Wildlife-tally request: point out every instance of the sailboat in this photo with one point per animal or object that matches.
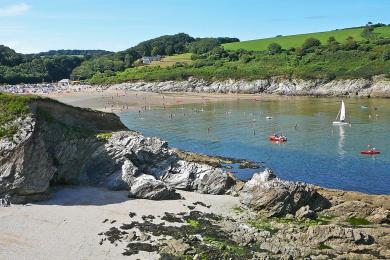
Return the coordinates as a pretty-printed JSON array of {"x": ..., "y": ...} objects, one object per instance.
[{"x": 341, "y": 116}]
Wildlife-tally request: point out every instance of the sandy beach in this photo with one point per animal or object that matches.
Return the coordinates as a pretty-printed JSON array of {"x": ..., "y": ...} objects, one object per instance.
[
  {"x": 67, "y": 225},
  {"x": 112, "y": 100}
]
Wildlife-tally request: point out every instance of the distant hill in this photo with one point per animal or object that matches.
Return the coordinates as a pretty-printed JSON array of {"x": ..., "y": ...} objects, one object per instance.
[
  {"x": 293, "y": 41},
  {"x": 74, "y": 52}
]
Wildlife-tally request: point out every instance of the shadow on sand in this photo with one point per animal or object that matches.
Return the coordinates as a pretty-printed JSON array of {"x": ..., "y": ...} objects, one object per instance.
[{"x": 84, "y": 196}]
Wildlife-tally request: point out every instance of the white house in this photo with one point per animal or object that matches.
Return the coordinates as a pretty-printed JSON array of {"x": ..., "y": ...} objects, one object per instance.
[
  {"x": 149, "y": 59},
  {"x": 64, "y": 82}
]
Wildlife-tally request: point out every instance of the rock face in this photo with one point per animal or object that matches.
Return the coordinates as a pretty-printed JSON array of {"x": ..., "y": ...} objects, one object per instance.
[
  {"x": 59, "y": 144},
  {"x": 377, "y": 86},
  {"x": 265, "y": 192}
]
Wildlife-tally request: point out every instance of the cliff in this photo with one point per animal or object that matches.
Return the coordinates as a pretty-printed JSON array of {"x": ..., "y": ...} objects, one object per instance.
[{"x": 378, "y": 86}]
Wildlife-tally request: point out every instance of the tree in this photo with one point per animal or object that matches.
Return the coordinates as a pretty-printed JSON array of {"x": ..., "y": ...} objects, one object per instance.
[
  {"x": 203, "y": 45},
  {"x": 274, "y": 48},
  {"x": 368, "y": 31},
  {"x": 350, "y": 44},
  {"x": 333, "y": 44},
  {"x": 310, "y": 43},
  {"x": 169, "y": 50}
]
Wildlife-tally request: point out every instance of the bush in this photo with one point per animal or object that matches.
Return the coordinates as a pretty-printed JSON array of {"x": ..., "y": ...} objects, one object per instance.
[
  {"x": 350, "y": 44},
  {"x": 310, "y": 43},
  {"x": 274, "y": 48},
  {"x": 386, "y": 55}
]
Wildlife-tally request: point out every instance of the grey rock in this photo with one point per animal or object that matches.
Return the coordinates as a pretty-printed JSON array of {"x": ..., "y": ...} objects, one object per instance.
[
  {"x": 266, "y": 192},
  {"x": 174, "y": 247},
  {"x": 5, "y": 201},
  {"x": 147, "y": 187},
  {"x": 305, "y": 213},
  {"x": 379, "y": 216},
  {"x": 351, "y": 208},
  {"x": 123, "y": 178},
  {"x": 325, "y": 233},
  {"x": 377, "y": 86}
]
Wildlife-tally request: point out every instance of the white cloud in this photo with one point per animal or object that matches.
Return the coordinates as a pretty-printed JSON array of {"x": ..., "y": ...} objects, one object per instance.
[{"x": 14, "y": 10}]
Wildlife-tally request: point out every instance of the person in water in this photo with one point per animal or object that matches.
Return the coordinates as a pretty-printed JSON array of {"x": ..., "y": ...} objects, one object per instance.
[{"x": 371, "y": 148}]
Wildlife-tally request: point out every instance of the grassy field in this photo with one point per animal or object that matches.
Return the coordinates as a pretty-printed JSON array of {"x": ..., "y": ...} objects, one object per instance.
[
  {"x": 172, "y": 60},
  {"x": 296, "y": 40}
]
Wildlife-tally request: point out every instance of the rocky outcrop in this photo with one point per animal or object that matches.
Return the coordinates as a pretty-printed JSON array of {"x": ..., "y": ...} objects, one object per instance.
[
  {"x": 360, "y": 209},
  {"x": 377, "y": 86},
  {"x": 265, "y": 192},
  {"x": 59, "y": 144}
]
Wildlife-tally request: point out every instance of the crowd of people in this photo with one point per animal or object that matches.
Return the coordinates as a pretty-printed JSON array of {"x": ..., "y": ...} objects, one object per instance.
[{"x": 46, "y": 88}]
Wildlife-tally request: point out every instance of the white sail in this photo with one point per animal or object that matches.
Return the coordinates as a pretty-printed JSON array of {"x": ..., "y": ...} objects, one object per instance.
[
  {"x": 340, "y": 118},
  {"x": 342, "y": 111}
]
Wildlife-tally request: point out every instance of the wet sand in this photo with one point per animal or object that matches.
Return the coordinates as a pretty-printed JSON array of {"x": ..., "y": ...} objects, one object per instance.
[{"x": 67, "y": 225}]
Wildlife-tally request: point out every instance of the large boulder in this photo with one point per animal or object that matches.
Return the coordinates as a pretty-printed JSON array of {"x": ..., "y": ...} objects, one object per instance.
[
  {"x": 276, "y": 197},
  {"x": 200, "y": 177},
  {"x": 147, "y": 187}
]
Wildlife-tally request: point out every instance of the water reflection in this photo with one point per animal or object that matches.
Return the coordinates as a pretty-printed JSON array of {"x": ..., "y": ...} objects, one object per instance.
[{"x": 340, "y": 146}]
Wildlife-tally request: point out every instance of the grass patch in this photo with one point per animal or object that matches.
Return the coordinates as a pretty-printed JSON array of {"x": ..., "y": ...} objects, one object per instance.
[
  {"x": 323, "y": 246},
  {"x": 293, "y": 41},
  {"x": 193, "y": 223},
  {"x": 12, "y": 107},
  {"x": 262, "y": 224},
  {"x": 168, "y": 61},
  {"x": 225, "y": 245},
  {"x": 104, "y": 136},
  {"x": 238, "y": 210},
  {"x": 357, "y": 221}
]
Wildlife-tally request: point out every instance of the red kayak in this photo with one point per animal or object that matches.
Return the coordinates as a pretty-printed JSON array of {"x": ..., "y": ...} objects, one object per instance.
[
  {"x": 277, "y": 138},
  {"x": 370, "y": 152}
]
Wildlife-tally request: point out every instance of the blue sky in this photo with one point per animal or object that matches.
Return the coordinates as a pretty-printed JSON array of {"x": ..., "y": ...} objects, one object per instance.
[{"x": 39, "y": 25}]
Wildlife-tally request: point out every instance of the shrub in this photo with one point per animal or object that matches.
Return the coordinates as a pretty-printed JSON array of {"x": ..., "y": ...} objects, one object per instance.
[
  {"x": 274, "y": 48},
  {"x": 386, "y": 55},
  {"x": 310, "y": 43}
]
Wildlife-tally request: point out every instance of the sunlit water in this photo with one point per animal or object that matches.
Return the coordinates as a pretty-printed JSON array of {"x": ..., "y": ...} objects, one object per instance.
[{"x": 316, "y": 152}]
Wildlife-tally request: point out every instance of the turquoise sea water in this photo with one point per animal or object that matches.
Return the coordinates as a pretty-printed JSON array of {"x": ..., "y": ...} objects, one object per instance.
[{"x": 316, "y": 152}]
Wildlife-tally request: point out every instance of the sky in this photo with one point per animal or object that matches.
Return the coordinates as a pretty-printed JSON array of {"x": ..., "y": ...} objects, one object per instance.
[{"x": 30, "y": 26}]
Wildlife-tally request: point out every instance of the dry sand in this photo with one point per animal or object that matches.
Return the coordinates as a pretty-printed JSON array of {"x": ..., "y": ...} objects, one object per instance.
[
  {"x": 67, "y": 226},
  {"x": 112, "y": 100}
]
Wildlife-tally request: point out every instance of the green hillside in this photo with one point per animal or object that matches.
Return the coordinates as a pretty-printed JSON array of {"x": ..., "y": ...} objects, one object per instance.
[{"x": 297, "y": 40}]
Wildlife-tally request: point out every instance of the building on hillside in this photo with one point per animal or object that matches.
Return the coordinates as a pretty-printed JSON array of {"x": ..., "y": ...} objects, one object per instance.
[{"x": 149, "y": 59}]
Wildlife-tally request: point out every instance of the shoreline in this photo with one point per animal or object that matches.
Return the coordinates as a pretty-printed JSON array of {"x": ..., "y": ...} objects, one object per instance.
[{"x": 117, "y": 101}]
